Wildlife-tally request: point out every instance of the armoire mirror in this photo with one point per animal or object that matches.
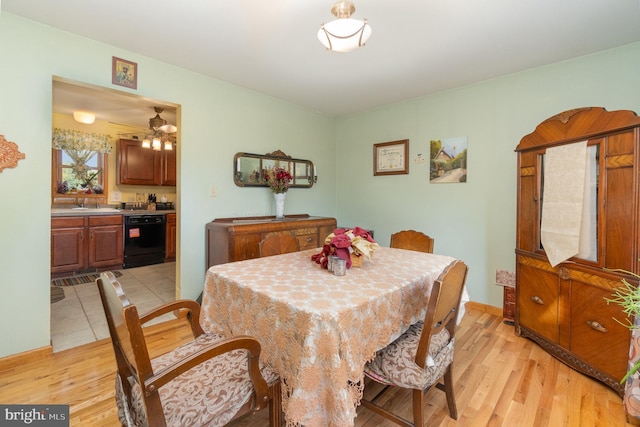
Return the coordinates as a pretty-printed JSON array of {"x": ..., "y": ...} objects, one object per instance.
[{"x": 248, "y": 169}]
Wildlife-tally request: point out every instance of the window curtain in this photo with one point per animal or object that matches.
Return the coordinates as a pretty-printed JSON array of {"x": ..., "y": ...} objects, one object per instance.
[
  {"x": 81, "y": 147},
  {"x": 564, "y": 209}
]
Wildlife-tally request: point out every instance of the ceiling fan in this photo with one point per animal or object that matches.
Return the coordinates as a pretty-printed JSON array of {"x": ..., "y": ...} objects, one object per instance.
[{"x": 161, "y": 132}]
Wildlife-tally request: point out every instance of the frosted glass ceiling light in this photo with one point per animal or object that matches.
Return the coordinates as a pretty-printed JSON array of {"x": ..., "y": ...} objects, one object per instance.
[
  {"x": 344, "y": 34},
  {"x": 156, "y": 144},
  {"x": 168, "y": 145},
  {"x": 146, "y": 143},
  {"x": 84, "y": 117}
]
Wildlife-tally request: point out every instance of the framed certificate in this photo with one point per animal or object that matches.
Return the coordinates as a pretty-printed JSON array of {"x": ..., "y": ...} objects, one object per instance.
[{"x": 391, "y": 158}]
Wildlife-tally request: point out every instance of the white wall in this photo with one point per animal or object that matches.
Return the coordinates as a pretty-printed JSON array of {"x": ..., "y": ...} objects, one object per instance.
[
  {"x": 218, "y": 120},
  {"x": 474, "y": 221}
]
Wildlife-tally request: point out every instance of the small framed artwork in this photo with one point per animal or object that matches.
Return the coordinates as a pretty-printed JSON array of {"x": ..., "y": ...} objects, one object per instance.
[
  {"x": 448, "y": 160},
  {"x": 391, "y": 158},
  {"x": 124, "y": 73}
]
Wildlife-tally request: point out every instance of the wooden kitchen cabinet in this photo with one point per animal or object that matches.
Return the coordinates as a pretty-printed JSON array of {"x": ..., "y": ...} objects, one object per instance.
[
  {"x": 68, "y": 247},
  {"x": 237, "y": 239},
  {"x": 144, "y": 166},
  {"x": 83, "y": 242},
  {"x": 170, "y": 237},
  {"x": 563, "y": 307}
]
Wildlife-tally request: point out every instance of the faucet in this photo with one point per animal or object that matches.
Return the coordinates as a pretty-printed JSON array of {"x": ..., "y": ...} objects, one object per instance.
[
  {"x": 97, "y": 205},
  {"x": 81, "y": 202}
]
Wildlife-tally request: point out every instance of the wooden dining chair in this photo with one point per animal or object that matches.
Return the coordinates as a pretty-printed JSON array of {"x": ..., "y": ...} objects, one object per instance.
[
  {"x": 423, "y": 355},
  {"x": 412, "y": 240},
  {"x": 208, "y": 381},
  {"x": 278, "y": 243}
]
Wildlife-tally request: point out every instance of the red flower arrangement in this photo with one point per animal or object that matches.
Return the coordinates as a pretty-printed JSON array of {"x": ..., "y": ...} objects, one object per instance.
[
  {"x": 348, "y": 244},
  {"x": 278, "y": 179}
]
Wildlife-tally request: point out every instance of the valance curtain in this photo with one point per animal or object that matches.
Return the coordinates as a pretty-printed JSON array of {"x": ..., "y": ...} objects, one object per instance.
[{"x": 73, "y": 140}]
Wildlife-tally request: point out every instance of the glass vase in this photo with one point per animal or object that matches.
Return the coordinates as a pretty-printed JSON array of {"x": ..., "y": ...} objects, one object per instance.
[{"x": 279, "y": 197}]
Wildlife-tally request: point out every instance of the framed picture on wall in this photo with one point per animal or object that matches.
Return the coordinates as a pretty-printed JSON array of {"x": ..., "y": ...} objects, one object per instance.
[
  {"x": 124, "y": 73},
  {"x": 448, "y": 160},
  {"x": 391, "y": 158}
]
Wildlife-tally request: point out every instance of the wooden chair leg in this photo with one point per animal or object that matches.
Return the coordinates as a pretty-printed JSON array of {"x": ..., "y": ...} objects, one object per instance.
[
  {"x": 275, "y": 406},
  {"x": 418, "y": 413},
  {"x": 448, "y": 389}
]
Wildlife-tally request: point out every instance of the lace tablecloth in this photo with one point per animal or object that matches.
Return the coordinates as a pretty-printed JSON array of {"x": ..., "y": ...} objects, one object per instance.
[{"x": 318, "y": 330}]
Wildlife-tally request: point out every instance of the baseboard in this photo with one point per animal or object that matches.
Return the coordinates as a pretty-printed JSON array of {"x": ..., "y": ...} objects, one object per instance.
[
  {"x": 485, "y": 308},
  {"x": 20, "y": 359}
]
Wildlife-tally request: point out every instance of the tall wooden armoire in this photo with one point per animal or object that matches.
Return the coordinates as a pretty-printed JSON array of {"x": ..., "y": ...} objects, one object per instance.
[{"x": 563, "y": 308}]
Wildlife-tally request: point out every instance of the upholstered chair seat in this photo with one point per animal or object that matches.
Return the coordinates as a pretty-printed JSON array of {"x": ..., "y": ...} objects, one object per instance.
[{"x": 395, "y": 364}]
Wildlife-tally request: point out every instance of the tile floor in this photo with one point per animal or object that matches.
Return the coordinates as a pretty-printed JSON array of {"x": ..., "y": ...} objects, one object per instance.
[{"x": 79, "y": 318}]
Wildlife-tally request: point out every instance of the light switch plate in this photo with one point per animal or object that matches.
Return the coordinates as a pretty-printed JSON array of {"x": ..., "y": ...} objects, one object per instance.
[{"x": 213, "y": 191}]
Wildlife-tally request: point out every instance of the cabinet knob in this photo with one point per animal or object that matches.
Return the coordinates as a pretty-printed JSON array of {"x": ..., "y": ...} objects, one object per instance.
[
  {"x": 309, "y": 239},
  {"x": 537, "y": 300},
  {"x": 597, "y": 326}
]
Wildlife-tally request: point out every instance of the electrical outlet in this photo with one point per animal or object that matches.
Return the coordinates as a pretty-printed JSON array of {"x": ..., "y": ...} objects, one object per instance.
[
  {"x": 213, "y": 191},
  {"x": 116, "y": 196}
]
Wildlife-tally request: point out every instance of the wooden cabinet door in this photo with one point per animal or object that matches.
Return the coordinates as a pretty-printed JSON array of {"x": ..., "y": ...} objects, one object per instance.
[
  {"x": 137, "y": 165},
  {"x": 596, "y": 337},
  {"x": 68, "y": 249},
  {"x": 170, "y": 238},
  {"x": 169, "y": 168},
  {"x": 538, "y": 299},
  {"x": 105, "y": 246}
]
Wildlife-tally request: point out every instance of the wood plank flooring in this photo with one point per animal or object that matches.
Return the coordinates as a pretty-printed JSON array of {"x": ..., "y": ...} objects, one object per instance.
[{"x": 500, "y": 380}]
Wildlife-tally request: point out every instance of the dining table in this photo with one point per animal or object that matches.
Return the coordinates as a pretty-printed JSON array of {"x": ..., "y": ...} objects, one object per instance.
[{"x": 317, "y": 330}]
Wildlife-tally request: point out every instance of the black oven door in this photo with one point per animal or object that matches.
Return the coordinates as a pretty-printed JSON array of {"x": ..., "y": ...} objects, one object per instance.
[{"x": 144, "y": 239}]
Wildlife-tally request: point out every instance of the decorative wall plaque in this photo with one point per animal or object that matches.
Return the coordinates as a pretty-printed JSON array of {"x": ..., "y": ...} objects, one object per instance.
[{"x": 9, "y": 154}]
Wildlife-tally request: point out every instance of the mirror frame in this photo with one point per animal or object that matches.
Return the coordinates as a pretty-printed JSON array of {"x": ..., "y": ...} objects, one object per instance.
[{"x": 303, "y": 176}]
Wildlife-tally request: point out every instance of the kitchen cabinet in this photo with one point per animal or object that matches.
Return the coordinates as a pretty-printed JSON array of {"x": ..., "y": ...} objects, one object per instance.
[
  {"x": 144, "y": 166},
  {"x": 563, "y": 307},
  {"x": 237, "y": 239},
  {"x": 83, "y": 242},
  {"x": 170, "y": 236}
]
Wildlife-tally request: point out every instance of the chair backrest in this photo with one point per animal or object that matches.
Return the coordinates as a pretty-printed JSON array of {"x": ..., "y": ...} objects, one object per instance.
[
  {"x": 278, "y": 243},
  {"x": 412, "y": 240},
  {"x": 129, "y": 346},
  {"x": 443, "y": 307}
]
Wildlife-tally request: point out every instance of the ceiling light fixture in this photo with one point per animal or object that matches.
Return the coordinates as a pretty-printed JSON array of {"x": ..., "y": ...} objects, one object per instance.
[
  {"x": 84, "y": 117},
  {"x": 344, "y": 34},
  {"x": 161, "y": 133}
]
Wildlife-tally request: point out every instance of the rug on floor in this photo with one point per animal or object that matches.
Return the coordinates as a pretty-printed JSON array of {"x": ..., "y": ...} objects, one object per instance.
[
  {"x": 57, "y": 294},
  {"x": 79, "y": 280}
]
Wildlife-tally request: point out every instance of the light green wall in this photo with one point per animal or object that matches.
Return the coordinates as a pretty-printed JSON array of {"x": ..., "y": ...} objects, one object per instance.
[
  {"x": 474, "y": 221},
  {"x": 217, "y": 120}
]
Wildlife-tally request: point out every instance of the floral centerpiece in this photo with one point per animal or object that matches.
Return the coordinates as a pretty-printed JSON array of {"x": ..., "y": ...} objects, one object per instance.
[
  {"x": 352, "y": 245},
  {"x": 278, "y": 179}
]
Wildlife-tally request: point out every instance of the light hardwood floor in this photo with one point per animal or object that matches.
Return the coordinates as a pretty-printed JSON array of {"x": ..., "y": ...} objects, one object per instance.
[{"x": 500, "y": 380}]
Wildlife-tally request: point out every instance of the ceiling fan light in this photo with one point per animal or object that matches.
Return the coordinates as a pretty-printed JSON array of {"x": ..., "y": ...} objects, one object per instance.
[
  {"x": 156, "y": 144},
  {"x": 168, "y": 128},
  {"x": 168, "y": 146},
  {"x": 146, "y": 143},
  {"x": 84, "y": 117}
]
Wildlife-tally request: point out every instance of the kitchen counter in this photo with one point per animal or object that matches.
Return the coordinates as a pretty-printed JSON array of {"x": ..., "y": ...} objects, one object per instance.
[{"x": 105, "y": 211}]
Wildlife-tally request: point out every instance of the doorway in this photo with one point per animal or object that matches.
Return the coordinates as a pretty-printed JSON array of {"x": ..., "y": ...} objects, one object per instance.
[{"x": 120, "y": 115}]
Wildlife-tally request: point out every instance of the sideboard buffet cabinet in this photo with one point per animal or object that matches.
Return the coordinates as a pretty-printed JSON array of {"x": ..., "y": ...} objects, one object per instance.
[
  {"x": 237, "y": 239},
  {"x": 563, "y": 308}
]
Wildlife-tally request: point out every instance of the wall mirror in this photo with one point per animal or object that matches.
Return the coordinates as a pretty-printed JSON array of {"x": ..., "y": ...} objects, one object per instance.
[{"x": 248, "y": 169}]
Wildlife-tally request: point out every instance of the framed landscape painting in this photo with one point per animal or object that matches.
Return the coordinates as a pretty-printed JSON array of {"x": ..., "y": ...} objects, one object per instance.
[{"x": 448, "y": 160}]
